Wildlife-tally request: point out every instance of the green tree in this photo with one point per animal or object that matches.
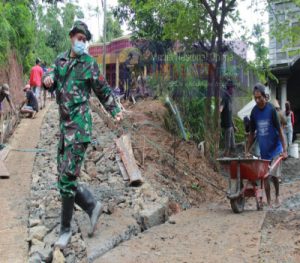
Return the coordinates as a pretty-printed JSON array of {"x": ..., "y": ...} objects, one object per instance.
[
  {"x": 53, "y": 25},
  {"x": 284, "y": 23},
  {"x": 17, "y": 34},
  {"x": 284, "y": 26},
  {"x": 146, "y": 20},
  {"x": 113, "y": 29},
  {"x": 261, "y": 62},
  {"x": 198, "y": 23}
]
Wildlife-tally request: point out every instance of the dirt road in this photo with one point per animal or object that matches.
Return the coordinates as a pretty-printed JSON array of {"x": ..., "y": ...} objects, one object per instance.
[
  {"x": 209, "y": 233},
  {"x": 215, "y": 234},
  {"x": 14, "y": 191}
]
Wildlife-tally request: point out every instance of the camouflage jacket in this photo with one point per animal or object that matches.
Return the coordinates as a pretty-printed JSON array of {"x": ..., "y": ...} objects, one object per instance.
[{"x": 74, "y": 78}]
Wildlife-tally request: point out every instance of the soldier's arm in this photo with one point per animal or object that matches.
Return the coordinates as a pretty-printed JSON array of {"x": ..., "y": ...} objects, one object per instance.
[{"x": 104, "y": 92}]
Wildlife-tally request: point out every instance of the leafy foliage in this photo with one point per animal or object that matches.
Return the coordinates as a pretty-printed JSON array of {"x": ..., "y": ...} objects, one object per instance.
[
  {"x": 240, "y": 133},
  {"x": 113, "y": 28},
  {"x": 188, "y": 92},
  {"x": 35, "y": 30},
  {"x": 53, "y": 27},
  {"x": 143, "y": 18},
  {"x": 18, "y": 33},
  {"x": 194, "y": 23},
  {"x": 261, "y": 62},
  {"x": 285, "y": 26}
]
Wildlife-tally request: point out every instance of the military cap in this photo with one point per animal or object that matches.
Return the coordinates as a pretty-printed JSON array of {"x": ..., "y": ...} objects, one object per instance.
[{"x": 80, "y": 27}]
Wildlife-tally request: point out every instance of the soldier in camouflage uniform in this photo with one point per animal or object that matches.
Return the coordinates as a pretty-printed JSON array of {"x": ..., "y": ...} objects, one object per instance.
[{"x": 73, "y": 76}]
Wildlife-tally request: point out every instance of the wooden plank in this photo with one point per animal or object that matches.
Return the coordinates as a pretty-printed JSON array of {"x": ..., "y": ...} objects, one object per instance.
[
  {"x": 4, "y": 174},
  {"x": 104, "y": 115},
  {"x": 122, "y": 169},
  {"x": 126, "y": 153},
  {"x": 4, "y": 153}
]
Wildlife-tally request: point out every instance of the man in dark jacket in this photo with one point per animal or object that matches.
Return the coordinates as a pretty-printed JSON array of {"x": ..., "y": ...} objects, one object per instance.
[{"x": 226, "y": 119}]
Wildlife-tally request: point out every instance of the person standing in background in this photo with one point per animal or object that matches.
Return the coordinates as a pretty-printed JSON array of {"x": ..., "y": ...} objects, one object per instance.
[
  {"x": 35, "y": 81},
  {"x": 141, "y": 85},
  {"x": 281, "y": 115},
  {"x": 226, "y": 119},
  {"x": 290, "y": 121}
]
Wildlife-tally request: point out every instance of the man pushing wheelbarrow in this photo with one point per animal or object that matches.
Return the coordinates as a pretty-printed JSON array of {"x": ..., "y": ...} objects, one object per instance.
[
  {"x": 265, "y": 126},
  {"x": 249, "y": 177}
]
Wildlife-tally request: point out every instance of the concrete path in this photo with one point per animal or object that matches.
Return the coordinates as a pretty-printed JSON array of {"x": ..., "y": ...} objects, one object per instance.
[
  {"x": 195, "y": 235},
  {"x": 215, "y": 234},
  {"x": 14, "y": 192}
]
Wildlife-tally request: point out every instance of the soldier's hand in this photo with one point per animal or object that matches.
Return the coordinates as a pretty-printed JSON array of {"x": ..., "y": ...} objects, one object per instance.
[
  {"x": 48, "y": 81},
  {"x": 119, "y": 117}
]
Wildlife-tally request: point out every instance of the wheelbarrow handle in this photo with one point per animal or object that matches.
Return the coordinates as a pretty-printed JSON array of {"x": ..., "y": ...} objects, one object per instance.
[{"x": 275, "y": 164}]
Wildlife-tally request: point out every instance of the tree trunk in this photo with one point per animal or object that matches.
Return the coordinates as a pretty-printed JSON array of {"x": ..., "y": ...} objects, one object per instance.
[
  {"x": 209, "y": 113},
  {"x": 216, "y": 117},
  {"x": 212, "y": 113}
]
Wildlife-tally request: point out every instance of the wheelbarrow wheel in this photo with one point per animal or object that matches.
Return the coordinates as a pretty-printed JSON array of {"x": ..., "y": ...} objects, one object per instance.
[{"x": 238, "y": 204}]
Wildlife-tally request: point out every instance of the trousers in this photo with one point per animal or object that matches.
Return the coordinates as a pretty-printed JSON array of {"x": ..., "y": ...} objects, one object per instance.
[{"x": 69, "y": 162}]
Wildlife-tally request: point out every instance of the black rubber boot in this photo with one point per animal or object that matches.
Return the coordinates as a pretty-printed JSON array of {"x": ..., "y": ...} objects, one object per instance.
[
  {"x": 65, "y": 235},
  {"x": 87, "y": 202}
]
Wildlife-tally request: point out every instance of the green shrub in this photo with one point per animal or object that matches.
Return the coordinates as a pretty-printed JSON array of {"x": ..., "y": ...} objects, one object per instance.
[
  {"x": 17, "y": 31},
  {"x": 240, "y": 133},
  {"x": 188, "y": 95}
]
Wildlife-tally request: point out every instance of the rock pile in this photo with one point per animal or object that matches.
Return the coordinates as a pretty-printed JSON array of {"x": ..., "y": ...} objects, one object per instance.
[
  {"x": 44, "y": 205},
  {"x": 140, "y": 206}
]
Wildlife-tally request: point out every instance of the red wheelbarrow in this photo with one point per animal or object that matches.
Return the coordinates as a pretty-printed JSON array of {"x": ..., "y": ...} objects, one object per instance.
[{"x": 249, "y": 175}]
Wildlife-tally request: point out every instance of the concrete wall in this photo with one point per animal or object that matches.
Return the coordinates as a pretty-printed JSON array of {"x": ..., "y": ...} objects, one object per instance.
[{"x": 285, "y": 11}]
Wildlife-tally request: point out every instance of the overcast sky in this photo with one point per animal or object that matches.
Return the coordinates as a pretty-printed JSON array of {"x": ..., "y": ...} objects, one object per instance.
[
  {"x": 249, "y": 14},
  {"x": 92, "y": 19}
]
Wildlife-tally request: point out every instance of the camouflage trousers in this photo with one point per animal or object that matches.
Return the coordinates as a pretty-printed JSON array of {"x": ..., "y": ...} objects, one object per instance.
[{"x": 69, "y": 162}]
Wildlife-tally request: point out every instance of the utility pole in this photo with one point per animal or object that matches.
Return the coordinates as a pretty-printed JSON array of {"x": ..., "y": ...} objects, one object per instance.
[
  {"x": 104, "y": 39},
  {"x": 98, "y": 18}
]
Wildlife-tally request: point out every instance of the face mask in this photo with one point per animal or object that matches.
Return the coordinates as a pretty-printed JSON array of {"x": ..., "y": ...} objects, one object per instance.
[{"x": 79, "y": 47}]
